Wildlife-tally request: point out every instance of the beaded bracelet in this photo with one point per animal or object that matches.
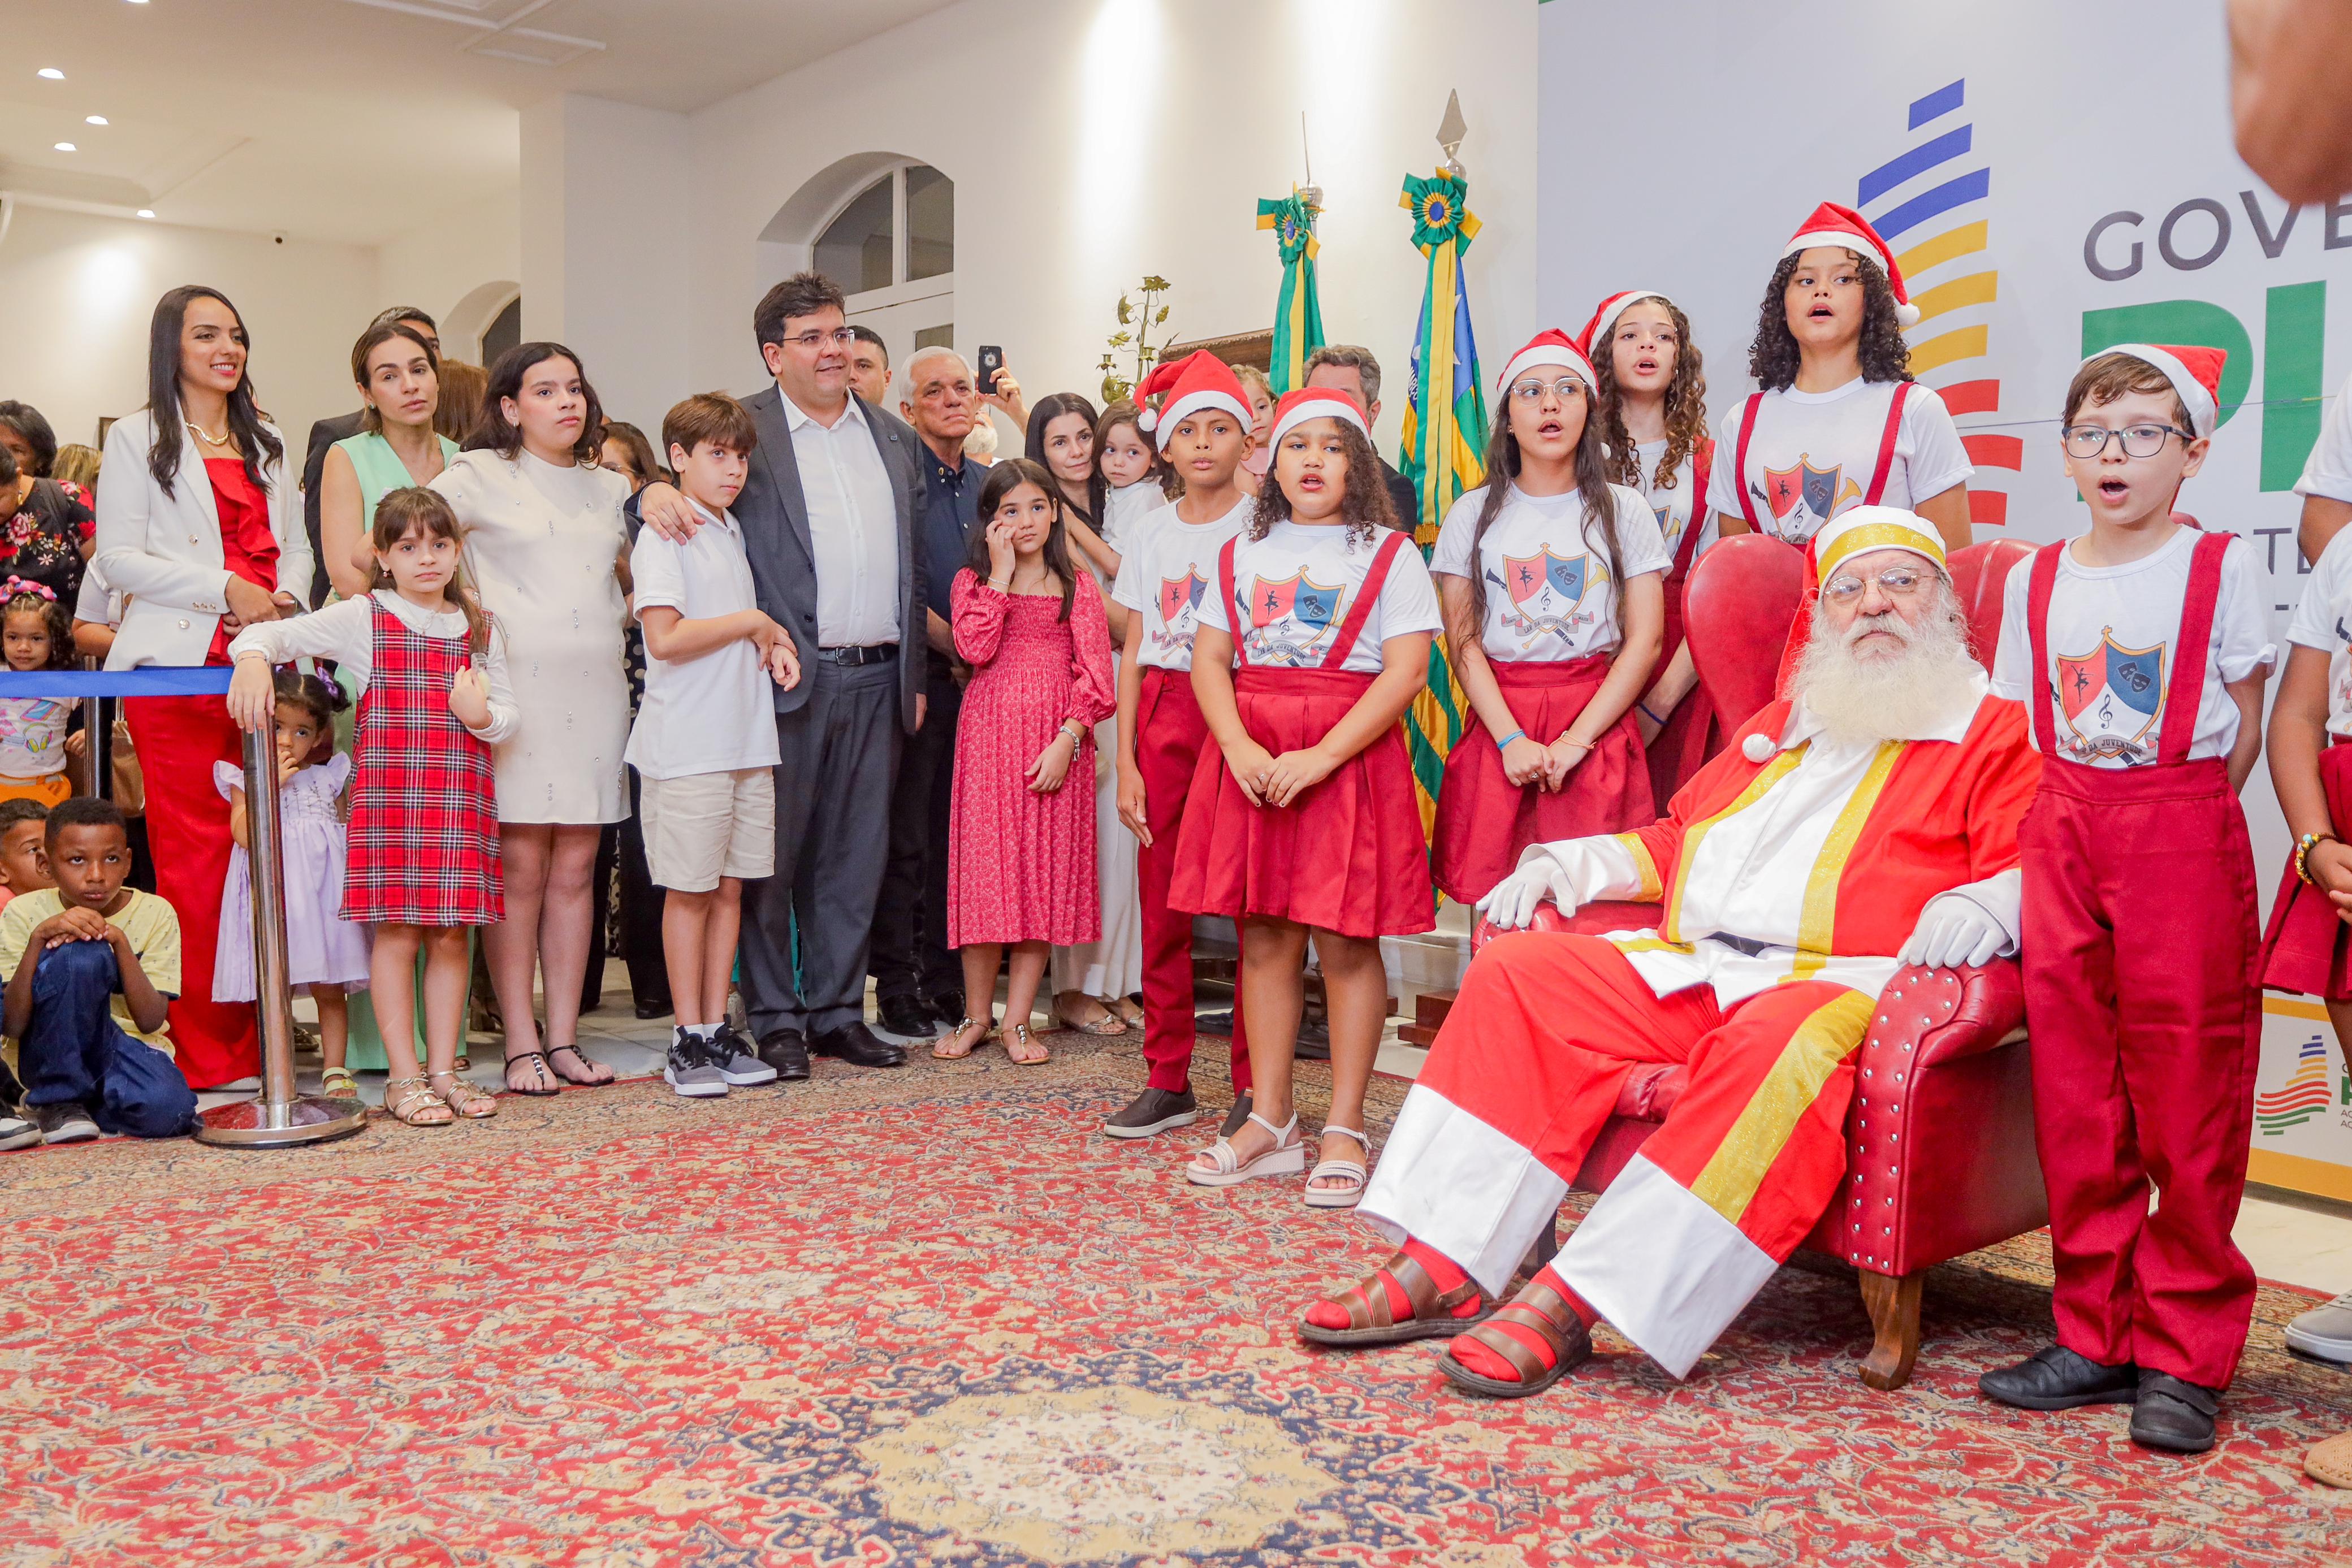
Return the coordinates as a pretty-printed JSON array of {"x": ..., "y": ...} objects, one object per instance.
[{"x": 2304, "y": 846}]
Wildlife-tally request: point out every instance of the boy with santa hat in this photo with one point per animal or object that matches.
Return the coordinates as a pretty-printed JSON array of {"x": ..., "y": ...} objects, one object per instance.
[{"x": 2139, "y": 650}]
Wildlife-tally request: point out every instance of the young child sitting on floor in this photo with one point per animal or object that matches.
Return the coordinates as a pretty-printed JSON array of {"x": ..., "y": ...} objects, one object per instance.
[
  {"x": 92, "y": 964},
  {"x": 23, "y": 822}
]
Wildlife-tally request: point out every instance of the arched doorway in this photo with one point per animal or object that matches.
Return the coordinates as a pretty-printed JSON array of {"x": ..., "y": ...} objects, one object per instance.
[
  {"x": 486, "y": 321},
  {"x": 882, "y": 226}
]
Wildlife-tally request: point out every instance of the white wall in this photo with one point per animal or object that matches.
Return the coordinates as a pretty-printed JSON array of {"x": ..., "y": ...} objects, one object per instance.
[
  {"x": 1125, "y": 136},
  {"x": 76, "y": 293},
  {"x": 467, "y": 247}
]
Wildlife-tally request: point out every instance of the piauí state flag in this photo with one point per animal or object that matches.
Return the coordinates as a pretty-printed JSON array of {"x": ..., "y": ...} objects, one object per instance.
[
  {"x": 1297, "y": 313},
  {"x": 1444, "y": 441}
]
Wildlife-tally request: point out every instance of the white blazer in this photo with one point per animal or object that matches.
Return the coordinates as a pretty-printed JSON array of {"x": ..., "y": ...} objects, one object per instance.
[{"x": 162, "y": 553}]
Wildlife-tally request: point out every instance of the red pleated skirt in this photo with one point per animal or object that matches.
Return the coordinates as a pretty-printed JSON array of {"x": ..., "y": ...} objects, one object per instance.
[
  {"x": 1346, "y": 856},
  {"x": 2307, "y": 948},
  {"x": 1484, "y": 820}
]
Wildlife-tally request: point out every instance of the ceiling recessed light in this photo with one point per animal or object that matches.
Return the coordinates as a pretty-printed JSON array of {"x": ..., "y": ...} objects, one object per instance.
[
  {"x": 51, "y": 73},
  {"x": 145, "y": 212},
  {"x": 94, "y": 120},
  {"x": 65, "y": 146}
]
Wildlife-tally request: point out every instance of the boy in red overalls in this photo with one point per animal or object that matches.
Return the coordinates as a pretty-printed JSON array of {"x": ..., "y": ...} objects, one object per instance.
[{"x": 2139, "y": 651}]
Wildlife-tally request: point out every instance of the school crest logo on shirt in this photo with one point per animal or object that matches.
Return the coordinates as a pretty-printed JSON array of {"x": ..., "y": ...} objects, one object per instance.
[
  {"x": 1289, "y": 617},
  {"x": 1801, "y": 498},
  {"x": 2111, "y": 696},
  {"x": 1548, "y": 594},
  {"x": 1180, "y": 596},
  {"x": 1532, "y": 577}
]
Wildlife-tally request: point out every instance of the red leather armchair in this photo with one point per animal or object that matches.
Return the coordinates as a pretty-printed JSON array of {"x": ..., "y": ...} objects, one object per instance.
[{"x": 1941, "y": 1127}]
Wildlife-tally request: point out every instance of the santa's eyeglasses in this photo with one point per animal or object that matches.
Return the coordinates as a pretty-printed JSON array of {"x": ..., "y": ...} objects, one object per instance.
[
  {"x": 2088, "y": 441},
  {"x": 1895, "y": 582}
]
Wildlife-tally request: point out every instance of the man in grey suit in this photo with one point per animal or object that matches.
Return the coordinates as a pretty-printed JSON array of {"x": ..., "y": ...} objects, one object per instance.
[{"x": 828, "y": 519}]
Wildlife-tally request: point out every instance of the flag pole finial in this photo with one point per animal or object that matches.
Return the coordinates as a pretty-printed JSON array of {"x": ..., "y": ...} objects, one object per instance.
[{"x": 1451, "y": 131}]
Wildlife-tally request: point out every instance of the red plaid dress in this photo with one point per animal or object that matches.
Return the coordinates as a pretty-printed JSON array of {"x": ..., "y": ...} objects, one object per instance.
[{"x": 424, "y": 820}]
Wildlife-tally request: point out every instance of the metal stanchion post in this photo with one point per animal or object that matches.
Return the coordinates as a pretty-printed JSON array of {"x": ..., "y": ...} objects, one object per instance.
[{"x": 279, "y": 1117}]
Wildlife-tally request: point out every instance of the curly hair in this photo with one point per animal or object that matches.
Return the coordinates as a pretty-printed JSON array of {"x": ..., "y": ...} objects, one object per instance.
[
  {"x": 1363, "y": 500},
  {"x": 1685, "y": 409},
  {"x": 1773, "y": 358},
  {"x": 1593, "y": 460},
  {"x": 32, "y": 598}
]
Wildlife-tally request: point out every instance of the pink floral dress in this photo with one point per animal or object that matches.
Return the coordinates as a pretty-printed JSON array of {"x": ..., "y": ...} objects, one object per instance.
[{"x": 1021, "y": 865}]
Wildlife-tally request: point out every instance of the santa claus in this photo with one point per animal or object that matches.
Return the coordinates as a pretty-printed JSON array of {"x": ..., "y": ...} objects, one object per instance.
[{"x": 1865, "y": 821}]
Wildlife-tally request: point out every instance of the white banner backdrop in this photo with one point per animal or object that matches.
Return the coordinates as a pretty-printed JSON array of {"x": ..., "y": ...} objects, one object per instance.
[{"x": 2052, "y": 179}]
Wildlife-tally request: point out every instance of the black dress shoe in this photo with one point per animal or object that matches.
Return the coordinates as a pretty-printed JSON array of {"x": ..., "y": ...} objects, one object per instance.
[
  {"x": 855, "y": 1044},
  {"x": 948, "y": 1007},
  {"x": 2060, "y": 1379},
  {"x": 906, "y": 1016},
  {"x": 2174, "y": 1415},
  {"x": 654, "y": 1007},
  {"x": 786, "y": 1050},
  {"x": 1154, "y": 1111},
  {"x": 1238, "y": 1117}
]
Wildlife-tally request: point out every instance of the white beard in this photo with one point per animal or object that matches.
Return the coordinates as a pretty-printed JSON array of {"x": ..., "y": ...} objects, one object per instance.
[{"x": 1929, "y": 685}]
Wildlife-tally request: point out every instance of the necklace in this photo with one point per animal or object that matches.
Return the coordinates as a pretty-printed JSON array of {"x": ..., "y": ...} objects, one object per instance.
[{"x": 206, "y": 436}]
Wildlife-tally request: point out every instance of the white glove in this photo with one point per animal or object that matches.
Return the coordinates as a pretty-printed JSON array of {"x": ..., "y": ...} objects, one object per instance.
[
  {"x": 1955, "y": 932},
  {"x": 1511, "y": 905}
]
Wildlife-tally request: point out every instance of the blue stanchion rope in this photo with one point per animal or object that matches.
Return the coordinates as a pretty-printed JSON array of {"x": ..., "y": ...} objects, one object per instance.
[{"x": 145, "y": 681}]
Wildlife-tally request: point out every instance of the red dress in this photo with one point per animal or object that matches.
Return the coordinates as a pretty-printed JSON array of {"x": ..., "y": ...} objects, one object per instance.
[
  {"x": 1021, "y": 865},
  {"x": 423, "y": 846}
]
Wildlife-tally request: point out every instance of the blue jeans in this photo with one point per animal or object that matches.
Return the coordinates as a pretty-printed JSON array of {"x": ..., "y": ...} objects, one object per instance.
[{"x": 74, "y": 1049}]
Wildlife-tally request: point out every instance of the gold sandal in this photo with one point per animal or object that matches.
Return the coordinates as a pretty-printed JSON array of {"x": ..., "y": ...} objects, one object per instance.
[
  {"x": 413, "y": 1102},
  {"x": 462, "y": 1097},
  {"x": 1017, "y": 1038},
  {"x": 337, "y": 1083},
  {"x": 986, "y": 1027}
]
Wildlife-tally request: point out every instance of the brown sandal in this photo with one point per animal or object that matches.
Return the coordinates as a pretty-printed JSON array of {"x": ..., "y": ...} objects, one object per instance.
[
  {"x": 413, "y": 1102},
  {"x": 1370, "y": 1323},
  {"x": 1538, "y": 1307},
  {"x": 462, "y": 1097},
  {"x": 986, "y": 1027},
  {"x": 1016, "y": 1040}
]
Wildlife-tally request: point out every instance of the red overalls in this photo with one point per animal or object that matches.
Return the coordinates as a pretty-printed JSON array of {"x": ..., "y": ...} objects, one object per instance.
[
  {"x": 1171, "y": 737},
  {"x": 2144, "y": 1017},
  {"x": 1346, "y": 856}
]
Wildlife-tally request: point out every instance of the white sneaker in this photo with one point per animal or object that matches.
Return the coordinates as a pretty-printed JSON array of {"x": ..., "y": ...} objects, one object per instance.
[{"x": 2325, "y": 1332}]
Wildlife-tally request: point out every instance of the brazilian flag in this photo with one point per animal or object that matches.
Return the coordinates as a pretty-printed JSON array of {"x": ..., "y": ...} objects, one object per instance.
[
  {"x": 1297, "y": 314},
  {"x": 1444, "y": 441}
]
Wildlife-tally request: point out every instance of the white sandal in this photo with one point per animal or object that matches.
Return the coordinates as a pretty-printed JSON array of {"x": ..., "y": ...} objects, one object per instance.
[
  {"x": 1288, "y": 1157},
  {"x": 1332, "y": 1165}
]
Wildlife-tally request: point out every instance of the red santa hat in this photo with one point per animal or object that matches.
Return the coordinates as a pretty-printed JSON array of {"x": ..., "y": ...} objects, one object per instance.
[
  {"x": 1197, "y": 382},
  {"x": 1549, "y": 347},
  {"x": 1316, "y": 403},
  {"x": 1833, "y": 224},
  {"x": 1604, "y": 321},
  {"x": 2194, "y": 370}
]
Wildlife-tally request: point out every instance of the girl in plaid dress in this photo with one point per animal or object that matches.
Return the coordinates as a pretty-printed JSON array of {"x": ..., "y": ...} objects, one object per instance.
[{"x": 423, "y": 839}]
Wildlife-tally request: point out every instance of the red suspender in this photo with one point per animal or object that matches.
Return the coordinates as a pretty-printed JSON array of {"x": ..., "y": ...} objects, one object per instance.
[
  {"x": 1686, "y": 548},
  {"x": 2185, "y": 692},
  {"x": 2037, "y": 625},
  {"x": 1233, "y": 612},
  {"x": 1366, "y": 597},
  {"x": 1886, "y": 445},
  {"x": 1739, "y": 461}
]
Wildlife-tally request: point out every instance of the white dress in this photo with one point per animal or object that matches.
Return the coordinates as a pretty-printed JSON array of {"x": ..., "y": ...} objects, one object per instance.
[
  {"x": 1112, "y": 964},
  {"x": 541, "y": 550}
]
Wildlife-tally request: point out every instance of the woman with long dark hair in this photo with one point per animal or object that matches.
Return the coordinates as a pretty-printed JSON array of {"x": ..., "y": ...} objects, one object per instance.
[
  {"x": 398, "y": 372},
  {"x": 197, "y": 526},
  {"x": 1549, "y": 574},
  {"x": 548, "y": 553},
  {"x": 1839, "y": 422}
]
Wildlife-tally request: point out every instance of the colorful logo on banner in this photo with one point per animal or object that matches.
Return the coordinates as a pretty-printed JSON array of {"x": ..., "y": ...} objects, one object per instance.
[
  {"x": 2303, "y": 1096},
  {"x": 1941, "y": 214}
]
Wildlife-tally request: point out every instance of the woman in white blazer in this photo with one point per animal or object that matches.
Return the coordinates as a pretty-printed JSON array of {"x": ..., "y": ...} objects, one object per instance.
[{"x": 198, "y": 524}]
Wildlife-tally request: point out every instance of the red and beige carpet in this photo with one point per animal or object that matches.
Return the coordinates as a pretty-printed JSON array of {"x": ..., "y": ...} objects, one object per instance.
[{"x": 933, "y": 1316}]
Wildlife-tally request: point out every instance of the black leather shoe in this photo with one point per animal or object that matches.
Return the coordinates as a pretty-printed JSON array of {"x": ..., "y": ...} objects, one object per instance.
[
  {"x": 2174, "y": 1415},
  {"x": 1154, "y": 1111},
  {"x": 652, "y": 1007},
  {"x": 906, "y": 1016},
  {"x": 855, "y": 1044},
  {"x": 948, "y": 1007},
  {"x": 786, "y": 1050},
  {"x": 1238, "y": 1117},
  {"x": 2059, "y": 1379}
]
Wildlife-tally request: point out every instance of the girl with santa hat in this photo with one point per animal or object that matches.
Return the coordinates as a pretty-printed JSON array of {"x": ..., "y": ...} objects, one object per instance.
[
  {"x": 1651, "y": 404},
  {"x": 1311, "y": 643},
  {"x": 1838, "y": 422},
  {"x": 1550, "y": 577}
]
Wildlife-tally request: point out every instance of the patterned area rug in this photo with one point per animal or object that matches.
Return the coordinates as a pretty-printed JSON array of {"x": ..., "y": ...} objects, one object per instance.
[{"x": 933, "y": 1316}]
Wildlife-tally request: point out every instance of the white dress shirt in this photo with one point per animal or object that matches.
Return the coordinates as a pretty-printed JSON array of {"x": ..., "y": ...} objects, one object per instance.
[{"x": 852, "y": 527}]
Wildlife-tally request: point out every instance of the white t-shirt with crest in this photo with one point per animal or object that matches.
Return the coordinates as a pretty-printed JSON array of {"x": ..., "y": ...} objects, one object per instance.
[
  {"x": 1299, "y": 584},
  {"x": 1167, "y": 568},
  {"x": 1550, "y": 595}
]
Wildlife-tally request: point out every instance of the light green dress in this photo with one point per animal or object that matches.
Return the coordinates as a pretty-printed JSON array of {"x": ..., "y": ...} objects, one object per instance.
[{"x": 380, "y": 471}]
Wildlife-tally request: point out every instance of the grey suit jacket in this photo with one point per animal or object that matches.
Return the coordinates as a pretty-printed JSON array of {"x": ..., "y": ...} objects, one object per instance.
[{"x": 773, "y": 512}]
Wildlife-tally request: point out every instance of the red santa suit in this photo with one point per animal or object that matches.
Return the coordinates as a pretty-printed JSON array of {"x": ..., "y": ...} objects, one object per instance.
[{"x": 1791, "y": 869}]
